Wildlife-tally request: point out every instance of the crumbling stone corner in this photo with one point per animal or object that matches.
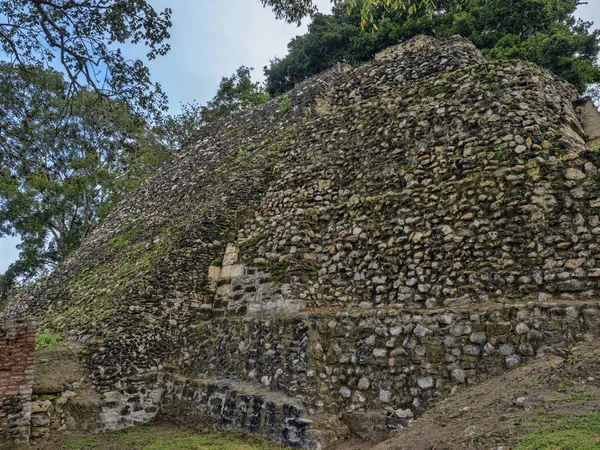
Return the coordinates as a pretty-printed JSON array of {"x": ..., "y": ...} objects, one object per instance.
[{"x": 17, "y": 349}]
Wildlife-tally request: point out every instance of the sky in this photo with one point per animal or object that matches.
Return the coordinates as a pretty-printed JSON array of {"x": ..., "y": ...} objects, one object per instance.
[{"x": 210, "y": 40}]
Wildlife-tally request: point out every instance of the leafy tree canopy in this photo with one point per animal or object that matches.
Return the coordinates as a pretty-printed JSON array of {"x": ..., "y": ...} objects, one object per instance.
[
  {"x": 60, "y": 175},
  {"x": 295, "y": 10},
  {"x": 235, "y": 94},
  {"x": 80, "y": 36},
  {"x": 541, "y": 31}
]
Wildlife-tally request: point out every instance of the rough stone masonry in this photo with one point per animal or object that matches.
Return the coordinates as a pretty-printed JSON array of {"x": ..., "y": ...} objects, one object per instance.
[
  {"x": 337, "y": 260},
  {"x": 17, "y": 344}
]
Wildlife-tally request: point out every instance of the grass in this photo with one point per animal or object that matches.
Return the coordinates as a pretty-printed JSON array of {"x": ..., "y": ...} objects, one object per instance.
[
  {"x": 578, "y": 433},
  {"x": 244, "y": 153},
  {"x": 285, "y": 104},
  {"x": 43, "y": 340},
  {"x": 161, "y": 437}
]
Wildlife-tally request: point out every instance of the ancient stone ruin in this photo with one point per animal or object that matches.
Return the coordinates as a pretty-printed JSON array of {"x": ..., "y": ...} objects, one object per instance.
[
  {"x": 17, "y": 342},
  {"x": 334, "y": 261}
]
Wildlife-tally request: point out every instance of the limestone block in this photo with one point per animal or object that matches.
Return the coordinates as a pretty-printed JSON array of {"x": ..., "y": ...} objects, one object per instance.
[
  {"x": 214, "y": 273},
  {"x": 233, "y": 271},
  {"x": 231, "y": 255},
  {"x": 109, "y": 418},
  {"x": 40, "y": 406}
]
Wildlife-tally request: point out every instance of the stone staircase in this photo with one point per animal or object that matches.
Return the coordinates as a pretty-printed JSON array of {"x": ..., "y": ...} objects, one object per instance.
[{"x": 232, "y": 405}]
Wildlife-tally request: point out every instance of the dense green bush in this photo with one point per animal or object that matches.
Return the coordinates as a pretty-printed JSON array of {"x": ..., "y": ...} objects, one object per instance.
[{"x": 541, "y": 31}]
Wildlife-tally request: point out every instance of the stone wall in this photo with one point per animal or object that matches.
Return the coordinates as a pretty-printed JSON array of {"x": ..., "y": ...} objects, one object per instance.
[
  {"x": 17, "y": 347},
  {"x": 401, "y": 65},
  {"x": 290, "y": 379},
  {"x": 132, "y": 401},
  {"x": 228, "y": 405},
  {"x": 470, "y": 186},
  {"x": 389, "y": 232},
  {"x": 240, "y": 289},
  {"x": 315, "y": 357}
]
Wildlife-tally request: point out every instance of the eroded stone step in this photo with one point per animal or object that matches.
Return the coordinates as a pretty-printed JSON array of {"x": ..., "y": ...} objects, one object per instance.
[
  {"x": 369, "y": 360},
  {"x": 228, "y": 404}
]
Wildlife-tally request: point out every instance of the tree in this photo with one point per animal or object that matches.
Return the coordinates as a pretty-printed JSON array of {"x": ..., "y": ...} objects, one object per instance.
[
  {"x": 8, "y": 283},
  {"x": 337, "y": 37},
  {"x": 544, "y": 32},
  {"x": 81, "y": 35},
  {"x": 295, "y": 10},
  {"x": 291, "y": 10},
  {"x": 235, "y": 94},
  {"x": 61, "y": 175},
  {"x": 173, "y": 130},
  {"x": 541, "y": 31}
]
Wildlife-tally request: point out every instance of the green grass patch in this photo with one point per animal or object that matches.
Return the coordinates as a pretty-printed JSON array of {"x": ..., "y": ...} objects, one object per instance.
[
  {"x": 162, "y": 437},
  {"x": 43, "y": 340},
  {"x": 244, "y": 153},
  {"x": 285, "y": 104},
  {"x": 578, "y": 433}
]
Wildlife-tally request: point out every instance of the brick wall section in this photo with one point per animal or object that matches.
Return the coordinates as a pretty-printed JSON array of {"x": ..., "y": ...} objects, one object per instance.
[{"x": 17, "y": 348}]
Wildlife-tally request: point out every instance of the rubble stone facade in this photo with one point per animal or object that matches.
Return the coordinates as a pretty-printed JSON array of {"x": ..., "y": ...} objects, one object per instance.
[{"x": 337, "y": 259}]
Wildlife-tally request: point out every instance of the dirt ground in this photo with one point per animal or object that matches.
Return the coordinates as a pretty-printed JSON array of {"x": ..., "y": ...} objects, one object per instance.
[{"x": 56, "y": 365}]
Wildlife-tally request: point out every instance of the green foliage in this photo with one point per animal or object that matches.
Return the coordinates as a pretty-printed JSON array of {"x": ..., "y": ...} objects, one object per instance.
[
  {"x": 544, "y": 32},
  {"x": 339, "y": 37},
  {"x": 172, "y": 131},
  {"x": 244, "y": 153},
  {"x": 541, "y": 31},
  {"x": 295, "y": 10},
  {"x": 285, "y": 104},
  {"x": 60, "y": 175},
  {"x": 81, "y": 36},
  {"x": 217, "y": 261},
  {"x": 291, "y": 10},
  {"x": 43, "y": 340},
  {"x": 369, "y": 8},
  {"x": 236, "y": 93},
  {"x": 578, "y": 433}
]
